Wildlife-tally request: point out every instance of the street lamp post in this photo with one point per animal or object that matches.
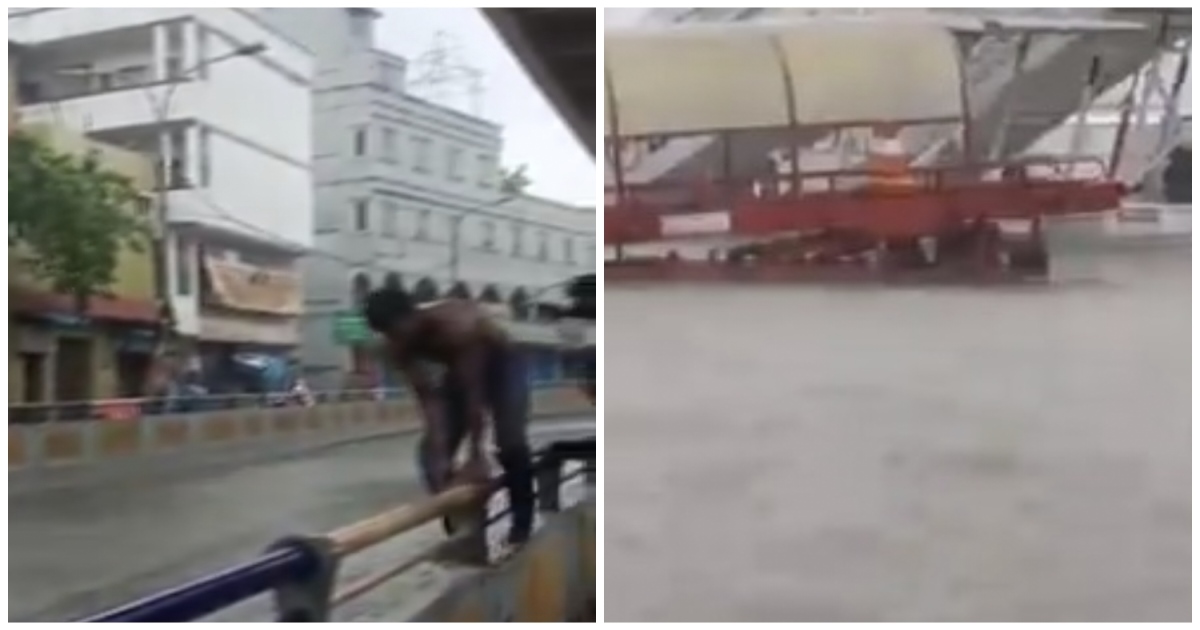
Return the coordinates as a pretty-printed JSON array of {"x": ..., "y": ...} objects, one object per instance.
[{"x": 162, "y": 113}]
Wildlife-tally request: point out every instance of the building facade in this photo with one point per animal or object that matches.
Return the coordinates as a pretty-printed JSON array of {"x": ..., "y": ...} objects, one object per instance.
[
  {"x": 408, "y": 193},
  {"x": 57, "y": 353},
  {"x": 224, "y": 100}
]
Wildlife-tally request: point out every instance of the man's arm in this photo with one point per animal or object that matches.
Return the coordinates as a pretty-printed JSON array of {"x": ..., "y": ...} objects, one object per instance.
[
  {"x": 468, "y": 367},
  {"x": 422, "y": 385}
]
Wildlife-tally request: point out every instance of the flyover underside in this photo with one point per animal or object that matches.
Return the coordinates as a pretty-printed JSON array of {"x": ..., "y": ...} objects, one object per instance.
[{"x": 558, "y": 49}]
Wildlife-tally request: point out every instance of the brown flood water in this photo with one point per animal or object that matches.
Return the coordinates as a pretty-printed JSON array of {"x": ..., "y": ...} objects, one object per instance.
[{"x": 808, "y": 454}]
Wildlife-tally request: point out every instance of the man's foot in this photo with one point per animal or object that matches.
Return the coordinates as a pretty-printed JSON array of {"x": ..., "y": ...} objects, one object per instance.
[
  {"x": 513, "y": 543},
  {"x": 518, "y": 536}
]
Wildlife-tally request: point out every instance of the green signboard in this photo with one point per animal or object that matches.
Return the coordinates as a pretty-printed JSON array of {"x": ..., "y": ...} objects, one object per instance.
[{"x": 349, "y": 329}]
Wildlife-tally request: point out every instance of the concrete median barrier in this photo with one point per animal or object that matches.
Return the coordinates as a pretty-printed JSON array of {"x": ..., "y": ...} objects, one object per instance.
[
  {"x": 552, "y": 579},
  {"x": 58, "y": 454}
]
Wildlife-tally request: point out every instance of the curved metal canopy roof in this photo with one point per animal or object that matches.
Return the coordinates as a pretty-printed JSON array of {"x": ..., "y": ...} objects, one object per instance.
[{"x": 701, "y": 79}]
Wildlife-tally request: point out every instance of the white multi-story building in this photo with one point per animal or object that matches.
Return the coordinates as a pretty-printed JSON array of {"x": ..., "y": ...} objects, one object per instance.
[
  {"x": 408, "y": 192},
  {"x": 225, "y": 99}
]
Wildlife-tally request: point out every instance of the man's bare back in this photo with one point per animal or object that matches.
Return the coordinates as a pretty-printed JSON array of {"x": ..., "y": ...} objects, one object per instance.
[{"x": 483, "y": 371}]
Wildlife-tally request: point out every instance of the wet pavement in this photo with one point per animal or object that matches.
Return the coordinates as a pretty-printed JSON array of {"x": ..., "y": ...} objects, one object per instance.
[
  {"x": 75, "y": 552},
  {"x": 850, "y": 454}
]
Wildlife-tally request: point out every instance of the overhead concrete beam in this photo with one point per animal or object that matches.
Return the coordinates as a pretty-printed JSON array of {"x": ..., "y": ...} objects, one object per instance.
[{"x": 561, "y": 61}]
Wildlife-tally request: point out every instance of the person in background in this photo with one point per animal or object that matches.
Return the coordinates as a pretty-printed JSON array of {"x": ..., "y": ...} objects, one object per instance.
[{"x": 301, "y": 395}]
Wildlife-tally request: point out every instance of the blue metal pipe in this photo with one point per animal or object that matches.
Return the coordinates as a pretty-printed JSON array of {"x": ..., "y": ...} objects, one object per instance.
[
  {"x": 207, "y": 595},
  {"x": 215, "y": 592}
]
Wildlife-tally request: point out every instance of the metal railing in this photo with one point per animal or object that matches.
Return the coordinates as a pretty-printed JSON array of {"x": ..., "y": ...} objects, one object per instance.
[
  {"x": 139, "y": 407},
  {"x": 300, "y": 571},
  {"x": 132, "y": 408},
  {"x": 179, "y": 441}
]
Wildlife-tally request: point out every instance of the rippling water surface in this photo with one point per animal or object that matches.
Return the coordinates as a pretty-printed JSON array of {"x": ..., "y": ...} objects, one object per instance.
[{"x": 819, "y": 454}]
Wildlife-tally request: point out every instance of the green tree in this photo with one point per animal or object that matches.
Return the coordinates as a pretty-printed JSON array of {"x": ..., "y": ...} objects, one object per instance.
[
  {"x": 514, "y": 181},
  {"x": 69, "y": 217}
]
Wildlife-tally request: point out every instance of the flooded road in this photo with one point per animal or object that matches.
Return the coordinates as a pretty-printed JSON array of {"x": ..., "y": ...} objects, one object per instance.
[
  {"x": 809, "y": 454},
  {"x": 76, "y": 552}
]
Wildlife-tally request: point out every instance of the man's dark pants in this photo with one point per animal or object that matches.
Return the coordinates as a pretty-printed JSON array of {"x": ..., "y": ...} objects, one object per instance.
[{"x": 506, "y": 396}]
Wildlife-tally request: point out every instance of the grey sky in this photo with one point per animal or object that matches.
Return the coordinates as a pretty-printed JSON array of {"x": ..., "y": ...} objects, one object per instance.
[{"x": 559, "y": 167}]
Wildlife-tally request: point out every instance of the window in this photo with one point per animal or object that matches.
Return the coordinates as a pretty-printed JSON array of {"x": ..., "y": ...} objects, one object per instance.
[
  {"x": 205, "y": 165},
  {"x": 102, "y": 81},
  {"x": 390, "y": 218},
  {"x": 454, "y": 163},
  {"x": 389, "y": 149},
  {"x": 33, "y": 366},
  {"x": 362, "y": 215},
  {"x": 174, "y": 67},
  {"x": 393, "y": 280},
  {"x": 486, "y": 173},
  {"x": 518, "y": 246},
  {"x": 177, "y": 177},
  {"x": 183, "y": 267},
  {"x": 201, "y": 50},
  {"x": 569, "y": 250},
  {"x": 360, "y": 140},
  {"x": 360, "y": 287},
  {"x": 422, "y": 232},
  {"x": 144, "y": 205},
  {"x": 391, "y": 77},
  {"x": 360, "y": 28},
  {"x": 488, "y": 242},
  {"x": 543, "y": 245},
  {"x": 131, "y": 76},
  {"x": 420, "y": 154}
]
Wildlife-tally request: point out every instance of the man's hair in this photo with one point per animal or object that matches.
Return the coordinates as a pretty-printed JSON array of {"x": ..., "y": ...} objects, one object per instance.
[
  {"x": 582, "y": 292},
  {"x": 582, "y": 287},
  {"x": 384, "y": 307}
]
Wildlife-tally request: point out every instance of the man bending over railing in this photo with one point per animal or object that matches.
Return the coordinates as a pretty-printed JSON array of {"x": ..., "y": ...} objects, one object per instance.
[{"x": 482, "y": 370}]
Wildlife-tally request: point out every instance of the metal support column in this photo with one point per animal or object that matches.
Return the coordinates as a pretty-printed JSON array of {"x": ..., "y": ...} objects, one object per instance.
[
  {"x": 1000, "y": 140},
  {"x": 1087, "y": 97}
]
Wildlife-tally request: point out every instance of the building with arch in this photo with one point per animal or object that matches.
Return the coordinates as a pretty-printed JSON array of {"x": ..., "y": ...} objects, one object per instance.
[{"x": 408, "y": 194}]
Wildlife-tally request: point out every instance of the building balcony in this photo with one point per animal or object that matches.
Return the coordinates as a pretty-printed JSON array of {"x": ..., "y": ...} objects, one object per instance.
[{"x": 120, "y": 108}]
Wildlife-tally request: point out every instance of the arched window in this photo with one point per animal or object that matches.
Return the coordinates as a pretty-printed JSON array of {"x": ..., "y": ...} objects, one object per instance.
[
  {"x": 393, "y": 281},
  {"x": 426, "y": 291},
  {"x": 519, "y": 302},
  {"x": 491, "y": 295},
  {"x": 569, "y": 250},
  {"x": 422, "y": 232},
  {"x": 518, "y": 242},
  {"x": 488, "y": 240},
  {"x": 360, "y": 287},
  {"x": 460, "y": 290}
]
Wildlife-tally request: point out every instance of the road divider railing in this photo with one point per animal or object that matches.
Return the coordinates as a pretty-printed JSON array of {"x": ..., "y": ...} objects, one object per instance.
[
  {"x": 551, "y": 578},
  {"x": 133, "y": 408},
  {"x": 57, "y": 445}
]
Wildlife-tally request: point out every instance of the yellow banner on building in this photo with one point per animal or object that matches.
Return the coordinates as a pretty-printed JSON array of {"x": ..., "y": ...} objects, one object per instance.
[{"x": 255, "y": 289}]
